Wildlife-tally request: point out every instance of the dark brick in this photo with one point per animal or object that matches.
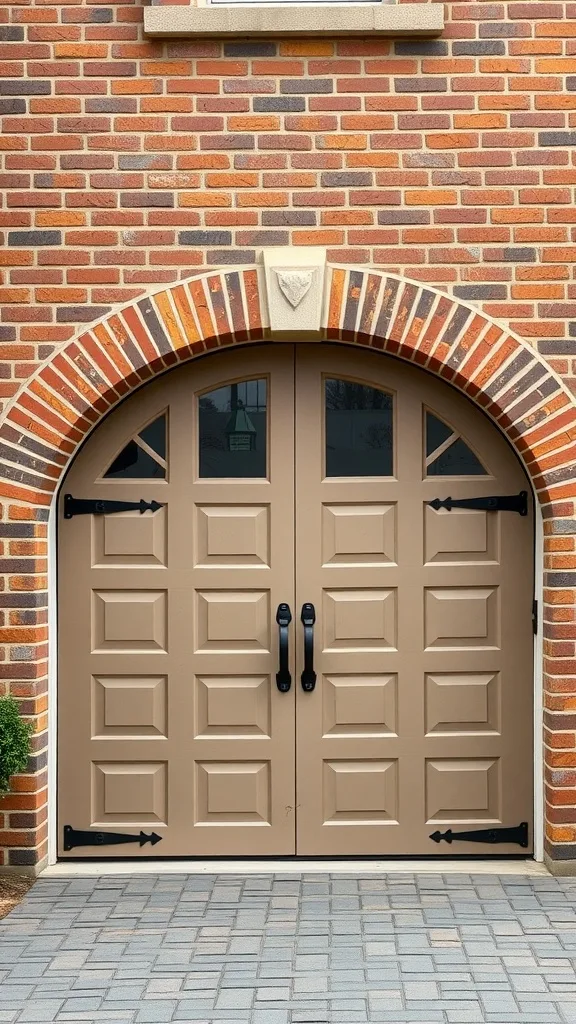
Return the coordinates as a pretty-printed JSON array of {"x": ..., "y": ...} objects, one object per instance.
[
  {"x": 232, "y": 256},
  {"x": 22, "y": 820},
  {"x": 11, "y": 33},
  {"x": 250, "y": 49},
  {"x": 502, "y": 30},
  {"x": 34, "y": 238},
  {"x": 100, "y": 15},
  {"x": 560, "y": 579},
  {"x": 421, "y": 48},
  {"x": 572, "y": 331},
  {"x": 24, "y": 87},
  {"x": 205, "y": 238},
  {"x": 7, "y": 333},
  {"x": 289, "y": 218},
  {"x": 137, "y": 200},
  {"x": 270, "y": 104},
  {"x": 403, "y": 217},
  {"x": 479, "y": 48},
  {"x": 227, "y": 142},
  {"x": 557, "y": 138},
  {"x": 472, "y": 292},
  {"x": 80, "y": 314},
  {"x": 340, "y": 179},
  {"x": 17, "y": 530},
  {"x": 13, "y": 106},
  {"x": 519, "y": 255},
  {"x": 306, "y": 85},
  {"x": 111, "y": 105},
  {"x": 262, "y": 237},
  {"x": 39, "y": 600},
  {"x": 22, "y": 858},
  {"x": 86, "y": 161},
  {"x": 434, "y": 83},
  {"x": 571, "y": 83}
]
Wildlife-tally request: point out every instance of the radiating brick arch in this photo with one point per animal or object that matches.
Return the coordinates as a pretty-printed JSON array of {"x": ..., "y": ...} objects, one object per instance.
[
  {"x": 78, "y": 385},
  {"x": 45, "y": 424}
]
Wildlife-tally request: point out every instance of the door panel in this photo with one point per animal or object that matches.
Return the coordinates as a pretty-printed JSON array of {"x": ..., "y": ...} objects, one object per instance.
[
  {"x": 169, "y": 715},
  {"x": 422, "y": 714}
]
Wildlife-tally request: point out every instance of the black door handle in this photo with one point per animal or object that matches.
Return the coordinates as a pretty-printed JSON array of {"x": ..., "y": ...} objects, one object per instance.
[
  {"x": 283, "y": 677},
  {"x": 308, "y": 618}
]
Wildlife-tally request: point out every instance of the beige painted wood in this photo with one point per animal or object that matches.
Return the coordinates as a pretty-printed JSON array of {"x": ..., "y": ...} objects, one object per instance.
[
  {"x": 421, "y": 719},
  {"x": 169, "y": 719}
]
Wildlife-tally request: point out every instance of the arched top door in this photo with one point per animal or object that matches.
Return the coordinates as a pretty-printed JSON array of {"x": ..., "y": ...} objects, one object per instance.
[{"x": 299, "y": 476}]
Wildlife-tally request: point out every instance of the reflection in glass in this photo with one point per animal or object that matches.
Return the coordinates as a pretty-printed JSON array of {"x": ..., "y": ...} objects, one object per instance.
[
  {"x": 144, "y": 457},
  {"x": 359, "y": 430},
  {"x": 457, "y": 460},
  {"x": 232, "y": 430},
  {"x": 437, "y": 432}
]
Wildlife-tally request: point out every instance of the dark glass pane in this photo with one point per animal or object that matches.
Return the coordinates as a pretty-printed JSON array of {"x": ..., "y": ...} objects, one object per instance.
[
  {"x": 232, "y": 430},
  {"x": 436, "y": 433},
  {"x": 134, "y": 463},
  {"x": 359, "y": 432},
  {"x": 457, "y": 460},
  {"x": 155, "y": 436}
]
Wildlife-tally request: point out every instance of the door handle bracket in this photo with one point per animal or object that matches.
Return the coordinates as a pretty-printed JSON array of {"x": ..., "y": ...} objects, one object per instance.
[
  {"x": 283, "y": 677},
  {"x": 308, "y": 618}
]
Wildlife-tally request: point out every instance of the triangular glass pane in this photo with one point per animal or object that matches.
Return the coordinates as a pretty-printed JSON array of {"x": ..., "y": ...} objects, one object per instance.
[
  {"x": 154, "y": 435},
  {"x": 436, "y": 433},
  {"x": 457, "y": 460},
  {"x": 133, "y": 463}
]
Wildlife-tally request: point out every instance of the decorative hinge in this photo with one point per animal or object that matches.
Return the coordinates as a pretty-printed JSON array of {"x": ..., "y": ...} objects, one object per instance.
[
  {"x": 102, "y": 507},
  {"x": 518, "y": 834},
  {"x": 496, "y": 503},
  {"x": 75, "y": 837}
]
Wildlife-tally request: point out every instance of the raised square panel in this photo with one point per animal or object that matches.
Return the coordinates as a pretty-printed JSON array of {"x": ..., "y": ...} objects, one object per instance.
[
  {"x": 232, "y": 535},
  {"x": 233, "y": 706},
  {"x": 361, "y": 705},
  {"x": 132, "y": 706},
  {"x": 359, "y": 620},
  {"x": 360, "y": 791},
  {"x": 228, "y": 791},
  {"x": 233, "y": 620},
  {"x": 128, "y": 538},
  {"x": 129, "y": 791},
  {"x": 462, "y": 536},
  {"x": 462, "y": 702},
  {"x": 461, "y": 617},
  {"x": 358, "y": 534},
  {"x": 129, "y": 620},
  {"x": 462, "y": 789}
]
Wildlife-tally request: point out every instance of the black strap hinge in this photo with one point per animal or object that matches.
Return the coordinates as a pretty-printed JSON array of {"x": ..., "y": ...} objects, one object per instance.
[
  {"x": 76, "y": 837},
  {"x": 494, "y": 503},
  {"x": 104, "y": 507},
  {"x": 517, "y": 834}
]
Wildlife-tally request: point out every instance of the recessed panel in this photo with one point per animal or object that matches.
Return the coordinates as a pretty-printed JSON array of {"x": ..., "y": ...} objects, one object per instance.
[
  {"x": 231, "y": 535},
  {"x": 233, "y": 706},
  {"x": 128, "y": 539},
  {"x": 359, "y": 705},
  {"x": 233, "y": 620},
  {"x": 462, "y": 535},
  {"x": 129, "y": 620},
  {"x": 124, "y": 792},
  {"x": 360, "y": 791},
  {"x": 134, "y": 706},
  {"x": 463, "y": 789},
  {"x": 462, "y": 702},
  {"x": 359, "y": 620},
  {"x": 461, "y": 617},
  {"x": 229, "y": 791},
  {"x": 358, "y": 534}
]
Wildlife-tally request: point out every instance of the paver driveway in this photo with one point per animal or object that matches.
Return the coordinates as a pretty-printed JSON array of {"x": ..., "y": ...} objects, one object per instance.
[{"x": 292, "y": 948}]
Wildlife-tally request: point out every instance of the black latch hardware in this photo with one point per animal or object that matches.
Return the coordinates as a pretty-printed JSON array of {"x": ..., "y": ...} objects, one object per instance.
[
  {"x": 101, "y": 507},
  {"x": 283, "y": 677},
  {"x": 308, "y": 676},
  {"x": 518, "y": 834},
  {"x": 496, "y": 503},
  {"x": 75, "y": 837}
]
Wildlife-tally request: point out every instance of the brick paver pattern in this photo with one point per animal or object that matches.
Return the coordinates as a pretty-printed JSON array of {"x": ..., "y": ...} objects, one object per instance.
[{"x": 292, "y": 949}]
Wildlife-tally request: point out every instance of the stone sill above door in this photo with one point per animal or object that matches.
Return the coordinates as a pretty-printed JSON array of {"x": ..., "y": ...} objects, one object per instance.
[{"x": 342, "y": 19}]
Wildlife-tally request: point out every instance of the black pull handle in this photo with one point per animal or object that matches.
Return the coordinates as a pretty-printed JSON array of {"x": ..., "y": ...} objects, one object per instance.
[
  {"x": 308, "y": 677},
  {"x": 283, "y": 677}
]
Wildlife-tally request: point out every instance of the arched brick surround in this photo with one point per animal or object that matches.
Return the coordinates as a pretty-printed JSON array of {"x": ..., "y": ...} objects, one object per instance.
[{"x": 43, "y": 427}]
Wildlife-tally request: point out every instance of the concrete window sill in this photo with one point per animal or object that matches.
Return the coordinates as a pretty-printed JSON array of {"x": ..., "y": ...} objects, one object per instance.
[{"x": 307, "y": 19}]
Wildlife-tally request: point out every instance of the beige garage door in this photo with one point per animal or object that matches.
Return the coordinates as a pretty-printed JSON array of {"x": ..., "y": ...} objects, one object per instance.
[{"x": 394, "y": 707}]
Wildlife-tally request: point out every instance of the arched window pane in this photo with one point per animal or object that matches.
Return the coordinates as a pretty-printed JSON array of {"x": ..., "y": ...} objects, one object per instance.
[
  {"x": 232, "y": 430},
  {"x": 359, "y": 430}
]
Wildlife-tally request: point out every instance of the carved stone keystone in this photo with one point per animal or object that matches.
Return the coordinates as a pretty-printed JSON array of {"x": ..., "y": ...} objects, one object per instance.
[{"x": 295, "y": 290}]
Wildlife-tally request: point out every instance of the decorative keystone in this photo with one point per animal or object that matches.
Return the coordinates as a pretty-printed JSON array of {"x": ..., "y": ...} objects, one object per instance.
[{"x": 295, "y": 288}]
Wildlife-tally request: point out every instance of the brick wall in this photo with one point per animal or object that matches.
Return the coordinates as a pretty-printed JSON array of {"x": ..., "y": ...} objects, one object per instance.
[{"x": 128, "y": 163}]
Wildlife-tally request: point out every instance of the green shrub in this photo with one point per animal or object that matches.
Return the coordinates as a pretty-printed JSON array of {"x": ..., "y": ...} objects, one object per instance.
[{"x": 14, "y": 742}]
